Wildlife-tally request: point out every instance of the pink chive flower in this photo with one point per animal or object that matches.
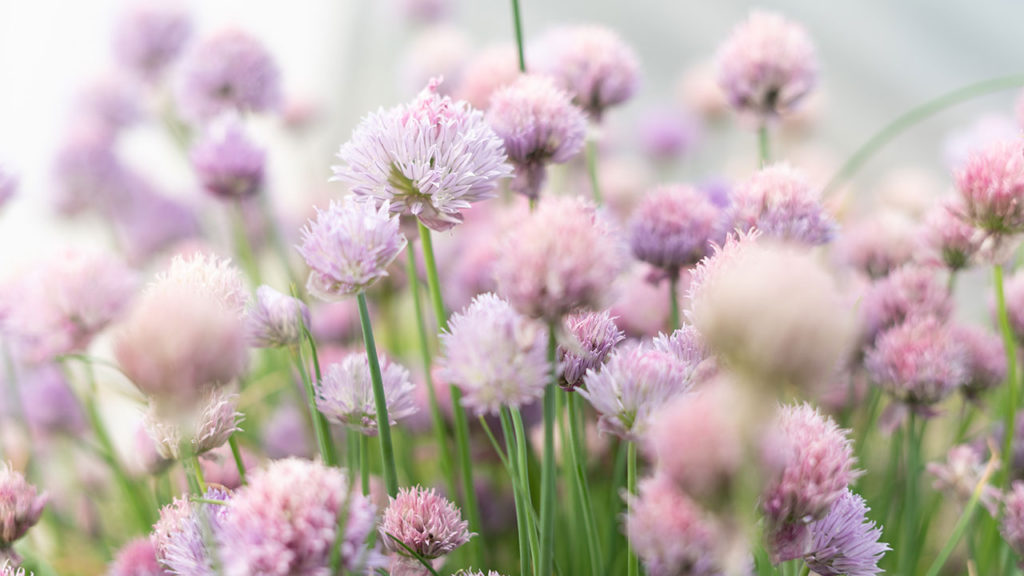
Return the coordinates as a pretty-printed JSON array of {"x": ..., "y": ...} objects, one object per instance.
[
  {"x": 845, "y": 542},
  {"x": 991, "y": 185},
  {"x": 539, "y": 125},
  {"x": 492, "y": 68},
  {"x": 276, "y": 320},
  {"x": 345, "y": 395},
  {"x": 674, "y": 227},
  {"x": 814, "y": 463},
  {"x": 229, "y": 164},
  {"x": 767, "y": 65},
  {"x": 668, "y": 134},
  {"x": 780, "y": 202},
  {"x": 561, "y": 258},
  {"x": 349, "y": 247},
  {"x": 960, "y": 474},
  {"x": 949, "y": 239},
  {"x": 149, "y": 36},
  {"x": 285, "y": 434},
  {"x": 689, "y": 347},
  {"x": 632, "y": 386},
  {"x": 592, "y": 63},
  {"x": 496, "y": 356},
  {"x": 909, "y": 292},
  {"x": 430, "y": 159},
  {"x": 424, "y": 521},
  {"x": 919, "y": 362},
  {"x": 136, "y": 558},
  {"x": 878, "y": 245},
  {"x": 985, "y": 359},
  {"x": 179, "y": 536},
  {"x": 21, "y": 505},
  {"x": 669, "y": 531},
  {"x": 593, "y": 335},
  {"x": 228, "y": 71},
  {"x": 205, "y": 426},
  {"x": 208, "y": 275},
  {"x": 1012, "y": 525},
  {"x": 285, "y": 523}
]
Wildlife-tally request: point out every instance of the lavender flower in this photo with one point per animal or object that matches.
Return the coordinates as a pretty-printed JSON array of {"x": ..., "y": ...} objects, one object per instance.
[
  {"x": 149, "y": 36},
  {"x": 349, "y": 247},
  {"x": 86, "y": 170},
  {"x": 670, "y": 532},
  {"x": 495, "y": 356},
  {"x": 560, "y": 259},
  {"x": 689, "y": 348},
  {"x": 286, "y": 434},
  {"x": 991, "y": 185},
  {"x": 21, "y": 505},
  {"x": 431, "y": 158},
  {"x": 488, "y": 70},
  {"x": 276, "y": 320},
  {"x": 594, "y": 335},
  {"x": 229, "y": 71},
  {"x": 205, "y": 426},
  {"x": 592, "y": 63},
  {"x": 50, "y": 407},
  {"x": 136, "y": 558},
  {"x": 673, "y": 227},
  {"x": 1012, "y": 526},
  {"x": 767, "y": 65},
  {"x": 780, "y": 202},
  {"x": 285, "y": 522},
  {"x": 111, "y": 101},
  {"x": 636, "y": 381},
  {"x": 845, "y": 542},
  {"x": 179, "y": 537},
  {"x": 907, "y": 293},
  {"x": 345, "y": 395},
  {"x": 539, "y": 125},
  {"x": 427, "y": 523},
  {"x": 228, "y": 163},
  {"x": 878, "y": 245},
  {"x": 951, "y": 240},
  {"x": 149, "y": 222},
  {"x": 920, "y": 362},
  {"x": 985, "y": 360},
  {"x": 961, "y": 473}
]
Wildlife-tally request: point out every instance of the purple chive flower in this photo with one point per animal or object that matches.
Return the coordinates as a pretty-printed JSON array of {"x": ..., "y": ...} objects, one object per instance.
[
  {"x": 424, "y": 521},
  {"x": 593, "y": 336},
  {"x": 540, "y": 125},
  {"x": 909, "y": 292},
  {"x": 991, "y": 186},
  {"x": 879, "y": 245},
  {"x": 495, "y": 356},
  {"x": 814, "y": 464},
  {"x": 985, "y": 360},
  {"x": 1012, "y": 525},
  {"x": 668, "y": 134},
  {"x": 669, "y": 531},
  {"x": 286, "y": 435},
  {"x": 276, "y": 320},
  {"x": 229, "y": 71},
  {"x": 961, "y": 473},
  {"x": 285, "y": 523},
  {"x": 205, "y": 426},
  {"x": 688, "y": 347},
  {"x": 636, "y": 381},
  {"x": 767, "y": 65},
  {"x": 845, "y": 542},
  {"x": 50, "y": 407},
  {"x": 146, "y": 458},
  {"x": 149, "y": 36},
  {"x": 561, "y": 258},
  {"x": 86, "y": 170},
  {"x": 592, "y": 63},
  {"x": 781, "y": 203},
  {"x": 112, "y": 101},
  {"x": 229, "y": 164},
  {"x": 349, "y": 247},
  {"x": 950, "y": 240},
  {"x": 21, "y": 505},
  {"x": 8, "y": 185},
  {"x": 345, "y": 395},
  {"x": 674, "y": 226},
  {"x": 431, "y": 158},
  {"x": 919, "y": 362},
  {"x": 492, "y": 68},
  {"x": 136, "y": 558},
  {"x": 149, "y": 222},
  {"x": 179, "y": 539}
]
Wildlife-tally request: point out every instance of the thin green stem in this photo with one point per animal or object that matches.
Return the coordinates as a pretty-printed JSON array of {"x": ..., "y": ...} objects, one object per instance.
[
  {"x": 320, "y": 427},
  {"x": 673, "y": 299},
  {"x": 915, "y": 116},
  {"x": 364, "y": 464},
  {"x": 243, "y": 247},
  {"x": 578, "y": 471},
  {"x": 909, "y": 550},
  {"x": 547, "y": 470},
  {"x": 764, "y": 151},
  {"x": 237, "y": 455},
  {"x": 633, "y": 562},
  {"x": 523, "y": 467},
  {"x": 526, "y": 553},
  {"x": 197, "y": 470},
  {"x": 1010, "y": 345},
  {"x": 387, "y": 451},
  {"x": 595, "y": 185},
  {"x": 518, "y": 23}
]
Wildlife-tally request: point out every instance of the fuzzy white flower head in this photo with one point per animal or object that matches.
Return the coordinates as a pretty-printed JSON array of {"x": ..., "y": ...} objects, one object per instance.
[{"x": 345, "y": 395}]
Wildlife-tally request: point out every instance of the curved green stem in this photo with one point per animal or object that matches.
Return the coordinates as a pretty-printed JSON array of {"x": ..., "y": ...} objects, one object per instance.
[
  {"x": 237, "y": 455},
  {"x": 387, "y": 451},
  {"x": 595, "y": 186},
  {"x": 518, "y": 23},
  {"x": 1011, "y": 372},
  {"x": 915, "y": 116}
]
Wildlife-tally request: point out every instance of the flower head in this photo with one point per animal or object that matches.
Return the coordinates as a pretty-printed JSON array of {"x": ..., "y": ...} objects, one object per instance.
[
  {"x": 276, "y": 320},
  {"x": 150, "y": 35},
  {"x": 136, "y": 558},
  {"x": 345, "y": 395},
  {"x": 985, "y": 359},
  {"x": 205, "y": 274},
  {"x": 919, "y": 362},
  {"x": 431, "y": 158},
  {"x": 780, "y": 202},
  {"x": 961, "y": 473},
  {"x": 49, "y": 405},
  {"x": 205, "y": 426},
  {"x": 878, "y": 245},
  {"x": 228, "y": 163},
  {"x": 668, "y": 134},
  {"x": 669, "y": 531},
  {"x": 689, "y": 347},
  {"x": 1012, "y": 526},
  {"x": 539, "y": 125},
  {"x": 767, "y": 65},
  {"x": 594, "y": 335},
  {"x": 495, "y": 356},
  {"x": 178, "y": 537},
  {"x": 21, "y": 505},
  {"x": 950, "y": 239},
  {"x": 907, "y": 293},
  {"x": 674, "y": 227},
  {"x": 349, "y": 247},
  {"x": 562, "y": 258},
  {"x": 845, "y": 542},
  {"x": 424, "y": 521},
  {"x": 991, "y": 185},
  {"x": 492, "y": 68}
]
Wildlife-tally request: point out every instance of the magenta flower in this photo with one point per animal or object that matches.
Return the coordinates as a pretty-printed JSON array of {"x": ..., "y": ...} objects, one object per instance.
[
  {"x": 136, "y": 558},
  {"x": 150, "y": 35},
  {"x": 21, "y": 505},
  {"x": 179, "y": 535},
  {"x": 431, "y": 159},
  {"x": 767, "y": 65},
  {"x": 495, "y": 356},
  {"x": 593, "y": 336},
  {"x": 907, "y": 293},
  {"x": 780, "y": 202},
  {"x": 276, "y": 320},
  {"x": 991, "y": 185},
  {"x": 1012, "y": 525},
  {"x": 845, "y": 542},
  {"x": 349, "y": 247},
  {"x": 228, "y": 163},
  {"x": 920, "y": 362},
  {"x": 345, "y": 395},
  {"x": 669, "y": 531},
  {"x": 424, "y": 521},
  {"x": 951, "y": 240},
  {"x": 674, "y": 227}
]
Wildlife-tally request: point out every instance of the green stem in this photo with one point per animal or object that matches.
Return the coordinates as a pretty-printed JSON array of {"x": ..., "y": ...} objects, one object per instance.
[
  {"x": 364, "y": 464},
  {"x": 578, "y": 472},
  {"x": 633, "y": 561},
  {"x": 523, "y": 467},
  {"x": 320, "y": 426},
  {"x": 915, "y": 116},
  {"x": 547, "y": 470},
  {"x": 517, "y": 22},
  {"x": 764, "y": 151},
  {"x": 237, "y": 455},
  {"x": 909, "y": 550},
  {"x": 243, "y": 248},
  {"x": 673, "y": 299},
  {"x": 387, "y": 451},
  {"x": 1011, "y": 373},
  {"x": 525, "y": 551},
  {"x": 595, "y": 186},
  {"x": 458, "y": 411},
  {"x": 197, "y": 470}
]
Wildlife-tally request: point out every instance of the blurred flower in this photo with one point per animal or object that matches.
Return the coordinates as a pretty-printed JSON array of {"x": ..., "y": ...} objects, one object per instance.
[
  {"x": 982, "y": 132},
  {"x": 845, "y": 542},
  {"x": 667, "y": 134},
  {"x": 345, "y": 395},
  {"x": 276, "y": 320},
  {"x": 229, "y": 164},
  {"x": 205, "y": 274},
  {"x": 86, "y": 171},
  {"x": 878, "y": 245},
  {"x": 698, "y": 89},
  {"x": 220, "y": 469},
  {"x": 426, "y": 10},
  {"x": 424, "y": 521},
  {"x": 136, "y": 558},
  {"x": 641, "y": 304},
  {"x": 909, "y": 292},
  {"x": 562, "y": 258},
  {"x": 592, "y": 337},
  {"x": 146, "y": 457},
  {"x": 110, "y": 100},
  {"x": 439, "y": 50},
  {"x": 674, "y": 226},
  {"x": 919, "y": 362},
  {"x": 779, "y": 201},
  {"x": 689, "y": 348},
  {"x": 147, "y": 222},
  {"x": 767, "y": 65},
  {"x": 495, "y": 356},
  {"x": 49, "y": 405},
  {"x": 985, "y": 359},
  {"x": 960, "y": 474},
  {"x": 150, "y": 35},
  {"x": 228, "y": 71},
  {"x": 991, "y": 184},
  {"x": 431, "y": 158},
  {"x": 179, "y": 535},
  {"x": 539, "y": 125},
  {"x": 486, "y": 71},
  {"x": 349, "y": 247},
  {"x": 1012, "y": 525},
  {"x": 21, "y": 505},
  {"x": 951, "y": 240},
  {"x": 669, "y": 532},
  {"x": 592, "y": 63},
  {"x": 286, "y": 434},
  {"x": 205, "y": 426},
  {"x": 8, "y": 185}
]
